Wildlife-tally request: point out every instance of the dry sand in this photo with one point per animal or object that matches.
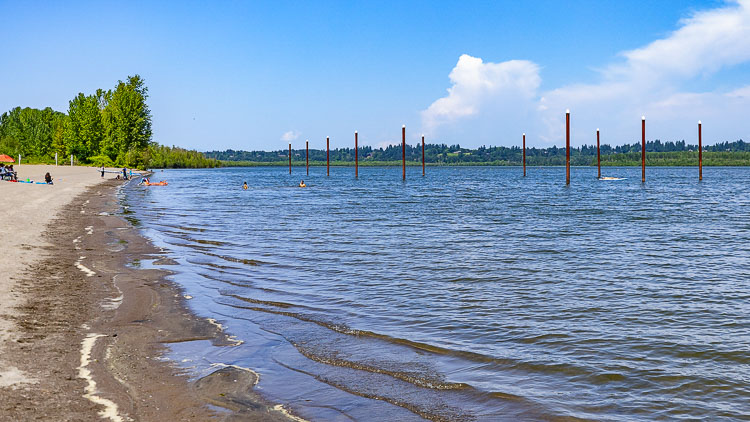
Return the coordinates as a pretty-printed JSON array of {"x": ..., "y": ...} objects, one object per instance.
[{"x": 26, "y": 211}]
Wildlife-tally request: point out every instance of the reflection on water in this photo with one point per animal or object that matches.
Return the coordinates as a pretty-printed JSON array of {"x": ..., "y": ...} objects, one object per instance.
[{"x": 472, "y": 293}]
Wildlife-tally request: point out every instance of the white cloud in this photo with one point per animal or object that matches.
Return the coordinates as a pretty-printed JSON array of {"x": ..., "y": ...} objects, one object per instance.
[
  {"x": 290, "y": 136},
  {"x": 655, "y": 80},
  {"x": 481, "y": 89},
  {"x": 706, "y": 42}
]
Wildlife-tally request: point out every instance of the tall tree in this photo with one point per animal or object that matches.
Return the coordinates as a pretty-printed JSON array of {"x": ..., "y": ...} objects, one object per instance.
[
  {"x": 128, "y": 121},
  {"x": 84, "y": 130}
]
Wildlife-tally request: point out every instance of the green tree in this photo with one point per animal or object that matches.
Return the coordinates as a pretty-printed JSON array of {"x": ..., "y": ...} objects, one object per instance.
[
  {"x": 84, "y": 131},
  {"x": 127, "y": 121}
]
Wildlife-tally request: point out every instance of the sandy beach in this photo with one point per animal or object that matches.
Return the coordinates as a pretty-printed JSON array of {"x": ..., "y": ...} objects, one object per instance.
[
  {"x": 83, "y": 328},
  {"x": 27, "y": 209}
]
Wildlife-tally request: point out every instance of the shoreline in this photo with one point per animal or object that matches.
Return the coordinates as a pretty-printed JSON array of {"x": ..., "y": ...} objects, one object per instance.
[{"x": 92, "y": 328}]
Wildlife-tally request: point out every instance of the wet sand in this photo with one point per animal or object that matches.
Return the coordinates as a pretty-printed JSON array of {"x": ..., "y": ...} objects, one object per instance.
[{"x": 84, "y": 328}]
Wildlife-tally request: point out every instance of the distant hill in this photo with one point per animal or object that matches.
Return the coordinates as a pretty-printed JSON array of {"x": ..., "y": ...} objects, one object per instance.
[{"x": 658, "y": 153}]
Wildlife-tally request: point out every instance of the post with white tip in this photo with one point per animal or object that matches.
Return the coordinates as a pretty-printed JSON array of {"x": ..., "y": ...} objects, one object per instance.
[
  {"x": 71, "y": 160},
  {"x": 567, "y": 147},
  {"x": 356, "y": 155},
  {"x": 55, "y": 159},
  {"x": 700, "y": 152},
  {"x": 423, "y": 154},
  {"x": 403, "y": 152},
  {"x": 524, "y": 155},
  {"x": 598, "y": 156},
  {"x": 643, "y": 149}
]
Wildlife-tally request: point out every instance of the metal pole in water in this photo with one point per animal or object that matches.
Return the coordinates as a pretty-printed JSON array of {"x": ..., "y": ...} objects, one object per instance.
[
  {"x": 307, "y": 156},
  {"x": 524, "y": 155},
  {"x": 290, "y": 158},
  {"x": 422, "y": 154},
  {"x": 643, "y": 149},
  {"x": 700, "y": 152},
  {"x": 567, "y": 147},
  {"x": 356, "y": 155},
  {"x": 598, "y": 156},
  {"x": 403, "y": 151},
  {"x": 328, "y": 157}
]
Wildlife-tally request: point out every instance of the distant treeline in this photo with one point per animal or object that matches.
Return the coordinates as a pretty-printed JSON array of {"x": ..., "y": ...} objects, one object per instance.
[
  {"x": 658, "y": 153},
  {"x": 111, "y": 128}
]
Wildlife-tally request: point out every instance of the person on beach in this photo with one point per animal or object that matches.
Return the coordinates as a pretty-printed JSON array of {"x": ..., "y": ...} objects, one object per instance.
[
  {"x": 302, "y": 184},
  {"x": 244, "y": 186},
  {"x": 102, "y": 170},
  {"x": 11, "y": 173},
  {"x": 48, "y": 178},
  {"x": 125, "y": 173}
]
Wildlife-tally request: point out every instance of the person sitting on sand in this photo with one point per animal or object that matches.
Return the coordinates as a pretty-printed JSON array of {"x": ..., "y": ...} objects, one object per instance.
[
  {"x": 244, "y": 186},
  {"x": 302, "y": 184},
  {"x": 48, "y": 178},
  {"x": 10, "y": 173}
]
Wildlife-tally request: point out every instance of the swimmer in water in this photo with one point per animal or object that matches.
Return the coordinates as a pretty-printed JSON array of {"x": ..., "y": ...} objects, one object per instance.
[
  {"x": 302, "y": 184},
  {"x": 244, "y": 186}
]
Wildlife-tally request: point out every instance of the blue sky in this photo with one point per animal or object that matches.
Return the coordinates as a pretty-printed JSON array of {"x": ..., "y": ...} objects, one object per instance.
[{"x": 256, "y": 75}]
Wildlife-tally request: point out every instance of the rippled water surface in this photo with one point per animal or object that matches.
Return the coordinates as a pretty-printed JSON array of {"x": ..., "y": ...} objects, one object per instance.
[{"x": 471, "y": 293}]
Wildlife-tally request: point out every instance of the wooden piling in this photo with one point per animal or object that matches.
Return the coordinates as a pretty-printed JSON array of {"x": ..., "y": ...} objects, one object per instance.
[
  {"x": 403, "y": 152},
  {"x": 598, "y": 157},
  {"x": 328, "y": 156},
  {"x": 307, "y": 156},
  {"x": 422, "y": 154},
  {"x": 290, "y": 158},
  {"x": 643, "y": 149},
  {"x": 524, "y": 155},
  {"x": 567, "y": 147},
  {"x": 356, "y": 158},
  {"x": 700, "y": 152}
]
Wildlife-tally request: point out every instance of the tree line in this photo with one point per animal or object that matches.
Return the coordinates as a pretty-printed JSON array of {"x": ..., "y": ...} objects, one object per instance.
[
  {"x": 111, "y": 128},
  {"x": 657, "y": 153}
]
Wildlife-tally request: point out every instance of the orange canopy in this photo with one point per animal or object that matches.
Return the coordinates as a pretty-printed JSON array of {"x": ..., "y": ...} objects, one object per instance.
[{"x": 6, "y": 159}]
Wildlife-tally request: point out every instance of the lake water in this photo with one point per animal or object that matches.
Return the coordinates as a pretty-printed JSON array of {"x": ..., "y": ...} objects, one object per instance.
[{"x": 470, "y": 294}]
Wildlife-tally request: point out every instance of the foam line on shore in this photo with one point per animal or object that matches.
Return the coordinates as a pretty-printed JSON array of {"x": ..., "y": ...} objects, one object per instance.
[
  {"x": 220, "y": 327},
  {"x": 111, "y": 304},
  {"x": 281, "y": 409},
  {"x": 110, "y": 407},
  {"x": 83, "y": 268},
  {"x": 241, "y": 368}
]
